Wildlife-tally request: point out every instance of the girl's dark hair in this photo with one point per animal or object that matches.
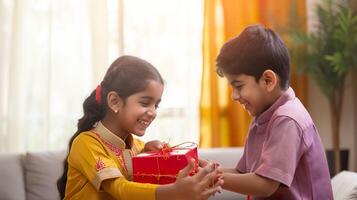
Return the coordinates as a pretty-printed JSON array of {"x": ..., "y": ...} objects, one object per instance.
[
  {"x": 127, "y": 75},
  {"x": 252, "y": 52}
]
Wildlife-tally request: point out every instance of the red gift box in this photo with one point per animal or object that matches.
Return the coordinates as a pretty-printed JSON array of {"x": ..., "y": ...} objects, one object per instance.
[{"x": 162, "y": 167}]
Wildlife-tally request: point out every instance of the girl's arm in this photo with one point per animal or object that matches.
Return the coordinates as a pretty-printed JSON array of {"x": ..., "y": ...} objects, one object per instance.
[
  {"x": 250, "y": 183},
  {"x": 200, "y": 186},
  {"x": 120, "y": 188}
]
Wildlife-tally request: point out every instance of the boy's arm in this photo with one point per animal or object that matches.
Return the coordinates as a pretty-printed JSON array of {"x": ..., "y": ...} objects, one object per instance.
[
  {"x": 229, "y": 170},
  {"x": 250, "y": 183},
  {"x": 204, "y": 162}
]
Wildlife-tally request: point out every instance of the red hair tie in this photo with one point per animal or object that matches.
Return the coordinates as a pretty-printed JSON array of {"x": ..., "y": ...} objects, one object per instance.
[{"x": 98, "y": 96}]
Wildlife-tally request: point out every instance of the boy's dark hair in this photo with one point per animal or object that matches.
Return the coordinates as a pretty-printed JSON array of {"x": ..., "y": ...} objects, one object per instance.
[
  {"x": 127, "y": 75},
  {"x": 255, "y": 50}
]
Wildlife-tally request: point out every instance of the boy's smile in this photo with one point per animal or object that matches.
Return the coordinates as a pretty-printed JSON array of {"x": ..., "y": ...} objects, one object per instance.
[{"x": 255, "y": 97}]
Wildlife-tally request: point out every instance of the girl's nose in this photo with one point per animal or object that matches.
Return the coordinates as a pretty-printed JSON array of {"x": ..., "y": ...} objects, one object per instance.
[{"x": 151, "y": 112}]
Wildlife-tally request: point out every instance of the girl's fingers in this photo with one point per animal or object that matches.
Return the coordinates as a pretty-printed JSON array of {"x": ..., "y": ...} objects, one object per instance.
[
  {"x": 202, "y": 162},
  {"x": 210, "y": 191},
  {"x": 209, "y": 180},
  {"x": 203, "y": 172},
  {"x": 219, "y": 182},
  {"x": 186, "y": 171}
]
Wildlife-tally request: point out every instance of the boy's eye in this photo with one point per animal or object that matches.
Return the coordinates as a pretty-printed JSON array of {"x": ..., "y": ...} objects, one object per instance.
[{"x": 238, "y": 87}]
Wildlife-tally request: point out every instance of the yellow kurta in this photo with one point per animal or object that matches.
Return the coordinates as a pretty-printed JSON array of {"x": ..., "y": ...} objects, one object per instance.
[{"x": 99, "y": 155}]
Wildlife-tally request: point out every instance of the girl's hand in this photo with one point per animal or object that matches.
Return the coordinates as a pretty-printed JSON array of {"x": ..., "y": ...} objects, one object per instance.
[
  {"x": 200, "y": 186},
  {"x": 202, "y": 162},
  {"x": 154, "y": 145}
]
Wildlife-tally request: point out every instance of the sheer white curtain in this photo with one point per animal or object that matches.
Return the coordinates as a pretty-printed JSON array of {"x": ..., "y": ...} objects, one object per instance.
[
  {"x": 169, "y": 35},
  {"x": 54, "y": 52}
]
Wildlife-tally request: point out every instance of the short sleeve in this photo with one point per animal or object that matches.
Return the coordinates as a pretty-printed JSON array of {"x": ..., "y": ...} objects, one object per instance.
[
  {"x": 282, "y": 151},
  {"x": 242, "y": 163},
  {"x": 88, "y": 156}
]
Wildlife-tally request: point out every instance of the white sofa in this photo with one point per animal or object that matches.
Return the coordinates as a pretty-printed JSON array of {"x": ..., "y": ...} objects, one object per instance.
[{"x": 33, "y": 176}]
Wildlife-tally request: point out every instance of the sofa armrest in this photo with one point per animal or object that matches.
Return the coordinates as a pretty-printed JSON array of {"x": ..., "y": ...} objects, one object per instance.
[{"x": 344, "y": 185}]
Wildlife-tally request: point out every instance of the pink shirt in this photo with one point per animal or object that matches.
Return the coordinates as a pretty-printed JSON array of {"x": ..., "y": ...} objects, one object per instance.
[{"x": 283, "y": 144}]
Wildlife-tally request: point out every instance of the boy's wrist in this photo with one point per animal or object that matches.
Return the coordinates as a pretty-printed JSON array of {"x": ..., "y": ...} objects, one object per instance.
[{"x": 229, "y": 170}]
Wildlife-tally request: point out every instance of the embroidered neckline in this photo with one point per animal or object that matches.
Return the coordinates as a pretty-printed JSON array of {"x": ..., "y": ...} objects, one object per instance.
[
  {"x": 115, "y": 140},
  {"x": 118, "y": 152}
]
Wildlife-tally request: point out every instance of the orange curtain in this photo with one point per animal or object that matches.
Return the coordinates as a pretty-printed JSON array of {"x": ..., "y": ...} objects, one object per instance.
[{"x": 223, "y": 122}]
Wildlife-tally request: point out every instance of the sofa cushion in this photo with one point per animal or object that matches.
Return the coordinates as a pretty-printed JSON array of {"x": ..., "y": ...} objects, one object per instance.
[
  {"x": 344, "y": 185},
  {"x": 12, "y": 186},
  {"x": 42, "y": 171}
]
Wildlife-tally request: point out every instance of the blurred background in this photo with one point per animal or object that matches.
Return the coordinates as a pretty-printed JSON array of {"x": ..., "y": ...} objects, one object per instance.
[{"x": 53, "y": 53}]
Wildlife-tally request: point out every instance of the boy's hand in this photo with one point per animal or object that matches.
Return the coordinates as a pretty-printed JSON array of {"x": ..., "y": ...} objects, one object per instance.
[{"x": 154, "y": 145}]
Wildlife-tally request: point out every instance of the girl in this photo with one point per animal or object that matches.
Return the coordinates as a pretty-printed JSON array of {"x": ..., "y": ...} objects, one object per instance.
[{"x": 98, "y": 165}]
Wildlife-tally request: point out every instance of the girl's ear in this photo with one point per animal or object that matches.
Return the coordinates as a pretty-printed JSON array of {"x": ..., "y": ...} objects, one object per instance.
[
  {"x": 270, "y": 80},
  {"x": 114, "y": 101}
]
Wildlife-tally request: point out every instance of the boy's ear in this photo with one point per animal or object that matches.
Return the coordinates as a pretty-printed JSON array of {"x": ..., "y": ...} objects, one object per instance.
[
  {"x": 270, "y": 80},
  {"x": 114, "y": 101}
]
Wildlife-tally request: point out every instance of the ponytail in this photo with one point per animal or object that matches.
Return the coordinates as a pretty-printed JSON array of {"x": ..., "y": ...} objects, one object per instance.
[{"x": 93, "y": 112}]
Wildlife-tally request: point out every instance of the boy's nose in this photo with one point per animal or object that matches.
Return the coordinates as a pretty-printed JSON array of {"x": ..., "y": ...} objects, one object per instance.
[{"x": 235, "y": 96}]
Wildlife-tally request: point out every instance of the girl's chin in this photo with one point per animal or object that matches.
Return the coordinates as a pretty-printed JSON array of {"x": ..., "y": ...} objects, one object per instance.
[{"x": 139, "y": 133}]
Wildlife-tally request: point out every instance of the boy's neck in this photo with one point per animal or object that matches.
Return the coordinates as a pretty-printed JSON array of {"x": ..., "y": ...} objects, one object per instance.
[
  {"x": 276, "y": 94},
  {"x": 273, "y": 97}
]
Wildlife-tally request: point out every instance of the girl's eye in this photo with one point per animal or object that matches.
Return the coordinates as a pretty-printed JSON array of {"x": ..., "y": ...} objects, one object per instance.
[{"x": 145, "y": 104}]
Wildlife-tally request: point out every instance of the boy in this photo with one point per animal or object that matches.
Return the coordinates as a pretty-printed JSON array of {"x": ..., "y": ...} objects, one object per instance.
[{"x": 283, "y": 155}]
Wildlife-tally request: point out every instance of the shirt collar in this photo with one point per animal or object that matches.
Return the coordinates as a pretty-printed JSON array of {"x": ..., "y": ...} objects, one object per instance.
[
  {"x": 113, "y": 139},
  {"x": 266, "y": 115}
]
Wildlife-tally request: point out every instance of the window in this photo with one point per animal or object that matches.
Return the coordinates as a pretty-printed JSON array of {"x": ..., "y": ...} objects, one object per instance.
[{"x": 54, "y": 53}]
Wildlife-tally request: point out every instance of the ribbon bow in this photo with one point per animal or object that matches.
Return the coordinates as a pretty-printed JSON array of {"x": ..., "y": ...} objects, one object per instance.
[{"x": 166, "y": 149}]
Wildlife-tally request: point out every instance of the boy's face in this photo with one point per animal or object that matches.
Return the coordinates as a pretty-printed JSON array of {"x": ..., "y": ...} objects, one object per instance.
[{"x": 252, "y": 95}]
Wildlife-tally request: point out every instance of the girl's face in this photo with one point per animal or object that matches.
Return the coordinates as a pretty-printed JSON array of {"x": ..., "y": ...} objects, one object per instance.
[
  {"x": 252, "y": 95},
  {"x": 140, "y": 109}
]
